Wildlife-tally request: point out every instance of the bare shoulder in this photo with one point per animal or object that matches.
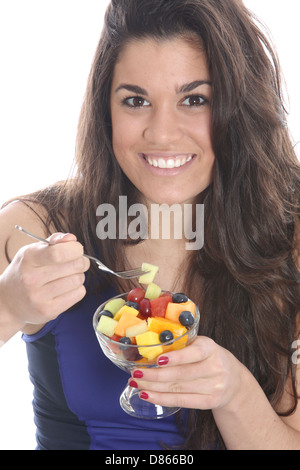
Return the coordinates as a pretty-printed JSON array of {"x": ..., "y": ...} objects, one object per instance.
[{"x": 29, "y": 216}]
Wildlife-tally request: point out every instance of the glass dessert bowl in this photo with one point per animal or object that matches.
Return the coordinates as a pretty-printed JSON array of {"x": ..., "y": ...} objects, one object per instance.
[{"x": 135, "y": 340}]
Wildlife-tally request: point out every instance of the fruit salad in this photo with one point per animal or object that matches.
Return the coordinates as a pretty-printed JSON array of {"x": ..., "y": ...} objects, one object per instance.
[{"x": 147, "y": 321}]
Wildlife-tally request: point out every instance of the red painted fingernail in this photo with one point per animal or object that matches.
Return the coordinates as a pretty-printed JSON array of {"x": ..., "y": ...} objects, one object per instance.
[
  {"x": 144, "y": 395},
  {"x": 132, "y": 383},
  {"x": 163, "y": 360},
  {"x": 138, "y": 374}
]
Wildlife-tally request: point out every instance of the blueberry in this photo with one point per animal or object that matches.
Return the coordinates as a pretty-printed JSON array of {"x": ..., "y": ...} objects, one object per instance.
[
  {"x": 186, "y": 318},
  {"x": 107, "y": 313},
  {"x": 125, "y": 341},
  {"x": 132, "y": 304},
  {"x": 165, "y": 336},
  {"x": 179, "y": 298}
]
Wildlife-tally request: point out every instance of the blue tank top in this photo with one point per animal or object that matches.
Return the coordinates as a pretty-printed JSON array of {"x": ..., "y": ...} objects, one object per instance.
[{"x": 77, "y": 390}]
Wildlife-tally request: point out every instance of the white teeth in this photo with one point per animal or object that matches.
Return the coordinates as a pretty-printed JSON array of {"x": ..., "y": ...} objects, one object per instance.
[
  {"x": 162, "y": 163},
  {"x": 170, "y": 163}
]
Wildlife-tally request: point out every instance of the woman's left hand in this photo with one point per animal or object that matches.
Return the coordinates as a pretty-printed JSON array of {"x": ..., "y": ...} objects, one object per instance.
[{"x": 201, "y": 376}]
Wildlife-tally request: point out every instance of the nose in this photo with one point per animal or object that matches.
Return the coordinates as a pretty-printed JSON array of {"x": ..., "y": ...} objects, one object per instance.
[{"x": 163, "y": 126}]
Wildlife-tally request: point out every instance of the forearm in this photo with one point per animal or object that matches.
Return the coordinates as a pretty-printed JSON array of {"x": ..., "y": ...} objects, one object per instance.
[{"x": 250, "y": 423}]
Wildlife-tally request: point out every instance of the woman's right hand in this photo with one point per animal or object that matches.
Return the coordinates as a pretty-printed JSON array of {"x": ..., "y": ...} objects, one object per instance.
[{"x": 44, "y": 280}]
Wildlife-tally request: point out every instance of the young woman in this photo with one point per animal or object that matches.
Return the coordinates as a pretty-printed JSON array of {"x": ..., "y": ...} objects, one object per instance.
[{"x": 183, "y": 105}]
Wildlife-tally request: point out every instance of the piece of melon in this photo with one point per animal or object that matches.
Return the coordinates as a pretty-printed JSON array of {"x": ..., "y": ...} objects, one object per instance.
[
  {"x": 126, "y": 320},
  {"x": 149, "y": 276},
  {"x": 159, "y": 324},
  {"x": 153, "y": 291},
  {"x": 107, "y": 325},
  {"x": 114, "y": 305},
  {"x": 136, "y": 330},
  {"x": 174, "y": 310},
  {"x": 125, "y": 308}
]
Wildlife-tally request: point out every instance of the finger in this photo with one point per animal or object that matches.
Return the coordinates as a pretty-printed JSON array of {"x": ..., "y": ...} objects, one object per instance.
[
  {"x": 177, "y": 379},
  {"x": 61, "y": 286},
  {"x": 51, "y": 273},
  {"x": 60, "y": 237},
  {"x": 198, "y": 385},
  {"x": 188, "y": 400},
  {"x": 63, "y": 302},
  {"x": 42, "y": 254},
  {"x": 181, "y": 363},
  {"x": 37, "y": 277},
  {"x": 201, "y": 348}
]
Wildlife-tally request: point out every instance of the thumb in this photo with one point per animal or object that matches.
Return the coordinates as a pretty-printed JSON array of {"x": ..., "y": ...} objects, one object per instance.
[{"x": 61, "y": 237}]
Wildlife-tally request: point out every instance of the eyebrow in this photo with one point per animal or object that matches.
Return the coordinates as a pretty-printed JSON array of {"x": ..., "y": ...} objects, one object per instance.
[
  {"x": 133, "y": 89},
  {"x": 186, "y": 88}
]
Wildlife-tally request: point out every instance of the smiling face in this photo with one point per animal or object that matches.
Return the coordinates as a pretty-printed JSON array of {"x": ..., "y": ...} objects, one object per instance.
[{"x": 161, "y": 119}]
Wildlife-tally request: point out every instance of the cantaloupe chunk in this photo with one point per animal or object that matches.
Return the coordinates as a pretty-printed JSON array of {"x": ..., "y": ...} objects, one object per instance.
[
  {"x": 138, "y": 329},
  {"x": 128, "y": 309},
  {"x": 127, "y": 319},
  {"x": 174, "y": 310},
  {"x": 159, "y": 324}
]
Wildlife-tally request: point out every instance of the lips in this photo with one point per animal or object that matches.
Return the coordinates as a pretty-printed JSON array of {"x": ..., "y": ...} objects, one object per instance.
[{"x": 168, "y": 162}]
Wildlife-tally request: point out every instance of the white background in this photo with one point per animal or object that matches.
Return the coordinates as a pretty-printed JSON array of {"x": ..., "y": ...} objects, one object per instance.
[{"x": 46, "y": 49}]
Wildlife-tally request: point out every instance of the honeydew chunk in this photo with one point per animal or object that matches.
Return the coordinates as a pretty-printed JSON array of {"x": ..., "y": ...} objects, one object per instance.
[
  {"x": 126, "y": 320},
  {"x": 107, "y": 325},
  {"x": 128, "y": 309},
  {"x": 153, "y": 291},
  {"x": 114, "y": 305},
  {"x": 149, "y": 338},
  {"x": 136, "y": 330},
  {"x": 149, "y": 276}
]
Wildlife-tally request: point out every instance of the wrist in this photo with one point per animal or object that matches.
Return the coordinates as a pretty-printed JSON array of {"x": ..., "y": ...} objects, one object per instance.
[
  {"x": 9, "y": 324},
  {"x": 246, "y": 400},
  {"x": 245, "y": 384}
]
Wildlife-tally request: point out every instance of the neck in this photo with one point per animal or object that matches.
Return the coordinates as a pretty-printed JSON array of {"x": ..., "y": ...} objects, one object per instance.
[{"x": 177, "y": 224}]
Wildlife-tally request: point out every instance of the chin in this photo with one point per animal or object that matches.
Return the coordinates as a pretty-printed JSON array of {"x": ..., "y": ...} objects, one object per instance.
[{"x": 170, "y": 199}]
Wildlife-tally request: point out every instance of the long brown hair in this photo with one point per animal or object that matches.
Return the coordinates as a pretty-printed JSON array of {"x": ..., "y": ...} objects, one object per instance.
[{"x": 249, "y": 295}]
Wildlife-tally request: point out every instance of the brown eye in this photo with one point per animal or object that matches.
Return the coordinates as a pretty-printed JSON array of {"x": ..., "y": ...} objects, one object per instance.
[
  {"x": 194, "y": 100},
  {"x": 136, "y": 102}
]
